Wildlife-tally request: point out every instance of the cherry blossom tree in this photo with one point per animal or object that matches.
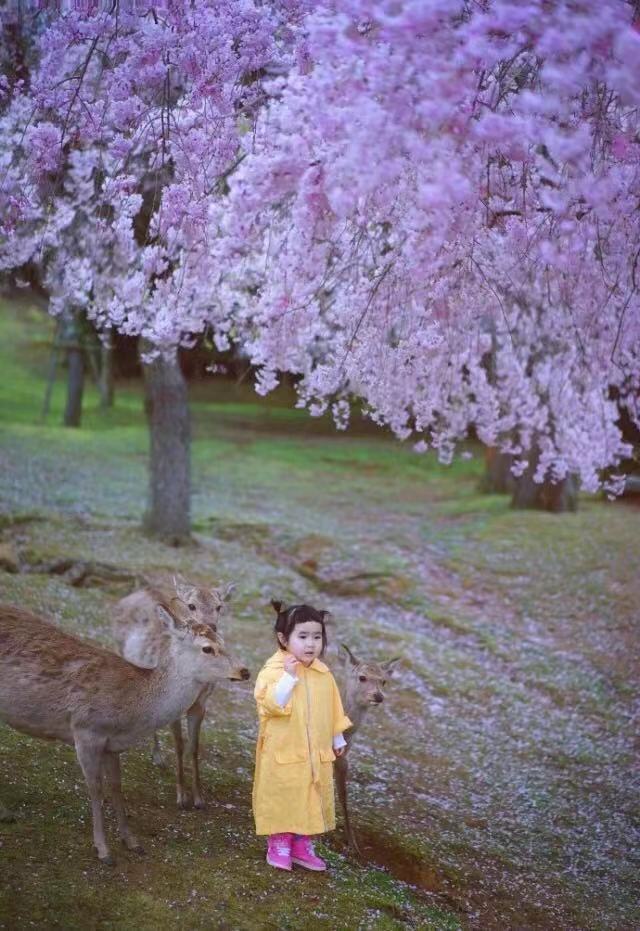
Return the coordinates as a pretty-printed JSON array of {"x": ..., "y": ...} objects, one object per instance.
[
  {"x": 112, "y": 153},
  {"x": 440, "y": 216},
  {"x": 430, "y": 206}
]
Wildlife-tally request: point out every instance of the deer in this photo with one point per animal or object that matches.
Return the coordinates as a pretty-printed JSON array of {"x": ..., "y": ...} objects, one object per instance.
[
  {"x": 141, "y": 638},
  {"x": 363, "y": 684},
  {"x": 57, "y": 686}
]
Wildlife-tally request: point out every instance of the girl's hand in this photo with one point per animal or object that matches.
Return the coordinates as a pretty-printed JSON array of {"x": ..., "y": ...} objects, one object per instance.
[
  {"x": 339, "y": 751},
  {"x": 290, "y": 665}
]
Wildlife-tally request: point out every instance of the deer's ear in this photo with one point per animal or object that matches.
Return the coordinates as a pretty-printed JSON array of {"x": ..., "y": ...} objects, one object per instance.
[
  {"x": 278, "y": 606},
  {"x": 227, "y": 591},
  {"x": 352, "y": 659},
  {"x": 390, "y": 666},
  {"x": 168, "y": 620},
  {"x": 182, "y": 587}
]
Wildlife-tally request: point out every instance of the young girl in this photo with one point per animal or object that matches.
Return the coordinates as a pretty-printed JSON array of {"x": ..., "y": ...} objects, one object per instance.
[{"x": 301, "y": 725}]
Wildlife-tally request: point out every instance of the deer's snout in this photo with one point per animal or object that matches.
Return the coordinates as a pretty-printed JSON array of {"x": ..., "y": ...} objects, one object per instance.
[
  {"x": 377, "y": 698},
  {"x": 242, "y": 674}
]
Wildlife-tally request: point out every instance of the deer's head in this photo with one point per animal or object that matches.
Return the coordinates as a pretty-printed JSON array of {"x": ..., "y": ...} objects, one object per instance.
[
  {"x": 200, "y": 648},
  {"x": 197, "y": 605},
  {"x": 366, "y": 681}
]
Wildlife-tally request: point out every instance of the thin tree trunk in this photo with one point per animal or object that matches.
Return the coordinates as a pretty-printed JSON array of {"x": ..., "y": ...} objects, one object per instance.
[
  {"x": 75, "y": 386},
  {"x": 51, "y": 377},
  {"x": 105, "y": 384},
  {"x": 167, "y": 408}
]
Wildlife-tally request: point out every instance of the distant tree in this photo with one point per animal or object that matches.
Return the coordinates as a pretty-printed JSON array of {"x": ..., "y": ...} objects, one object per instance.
[{"x": 106, "y": 384}]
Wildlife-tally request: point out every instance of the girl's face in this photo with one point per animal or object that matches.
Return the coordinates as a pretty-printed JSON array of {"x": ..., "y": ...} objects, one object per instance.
[{"x": 305, "y": 641}]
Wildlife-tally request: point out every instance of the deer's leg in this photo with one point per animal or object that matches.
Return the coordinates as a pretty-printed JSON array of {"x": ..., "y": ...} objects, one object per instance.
[
  {"x": 195, "y": 716},
  {"x": 156, "y": 753},
  {"x": 111, "y": 769},
  {"x": 342, "y": 776},
  {"x": 90, "y": 755},
  {"x": 182, "y": 798}
]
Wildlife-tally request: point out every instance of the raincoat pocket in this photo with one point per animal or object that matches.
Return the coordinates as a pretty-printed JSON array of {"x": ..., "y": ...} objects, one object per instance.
[
  {"x": 327, "y": 756},
  {"x": 290, "y": 756}
]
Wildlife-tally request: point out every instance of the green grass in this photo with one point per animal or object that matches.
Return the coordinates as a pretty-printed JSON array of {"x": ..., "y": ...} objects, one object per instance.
[
  {"x": 502, "y": 756},
  {"x": 199, "y": 870}
]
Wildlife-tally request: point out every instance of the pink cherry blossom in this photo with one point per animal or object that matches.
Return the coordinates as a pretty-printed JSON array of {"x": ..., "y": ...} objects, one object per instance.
[{"x": 426, "y": 206}]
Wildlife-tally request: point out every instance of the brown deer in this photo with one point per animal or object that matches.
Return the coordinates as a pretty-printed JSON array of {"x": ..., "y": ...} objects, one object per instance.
[
  {"x": 363, "y": 686},
  {"x": 142, "y": 638},
  {"x": 56, "y": 686}
]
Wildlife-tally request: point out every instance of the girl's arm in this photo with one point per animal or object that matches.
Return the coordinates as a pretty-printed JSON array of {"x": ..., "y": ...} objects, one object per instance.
[
  {"x": 339, "y": 741},
  {"x": 274, "y": 697},
  {"x": 283, "y": 689}
]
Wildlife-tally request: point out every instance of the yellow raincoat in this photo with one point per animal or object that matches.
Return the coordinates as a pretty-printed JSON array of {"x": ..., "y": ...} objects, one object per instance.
[{"x": 293, "y": 784}]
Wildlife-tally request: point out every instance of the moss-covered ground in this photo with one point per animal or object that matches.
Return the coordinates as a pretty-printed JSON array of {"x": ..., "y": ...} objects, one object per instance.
[{"x": 495, "y": 788}]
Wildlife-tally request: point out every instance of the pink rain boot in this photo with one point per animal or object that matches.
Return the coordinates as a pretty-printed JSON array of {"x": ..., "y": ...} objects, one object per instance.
[
  {"x": 279, "y": 851},
  {"x": 303, "y": 854}
]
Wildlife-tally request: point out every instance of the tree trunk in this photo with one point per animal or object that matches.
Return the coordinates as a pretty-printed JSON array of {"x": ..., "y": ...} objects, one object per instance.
[
  {"x": 498, "y": 478},
  {"x": 167, "y": 408},
  {"x": 75, "y": 386},
  {"x": 105, "y": 384},
  {"x": 544, "y": 496}
]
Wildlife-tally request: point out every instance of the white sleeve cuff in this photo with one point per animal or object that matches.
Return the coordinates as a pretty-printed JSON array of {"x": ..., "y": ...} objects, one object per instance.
[
  {"x": 284, "y": 688},
  {"x": 339, "y": 742}
]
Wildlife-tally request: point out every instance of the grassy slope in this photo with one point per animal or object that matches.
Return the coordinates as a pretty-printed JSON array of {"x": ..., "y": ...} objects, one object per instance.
[{"x": 498, "y": 777}]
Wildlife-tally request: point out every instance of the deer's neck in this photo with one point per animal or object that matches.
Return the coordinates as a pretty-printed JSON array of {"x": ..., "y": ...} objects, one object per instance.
[
  {"x": 356, "y": 714},
  {"x": 172, "y": 689}
]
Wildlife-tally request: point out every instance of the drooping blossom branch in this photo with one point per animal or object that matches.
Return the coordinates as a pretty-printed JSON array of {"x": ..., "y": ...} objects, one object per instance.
[{"x": 486, "y": 157}]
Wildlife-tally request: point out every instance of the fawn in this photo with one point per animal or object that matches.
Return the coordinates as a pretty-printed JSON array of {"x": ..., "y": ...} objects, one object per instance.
[
  {"x": 55, "y": 685},
  {"x": 142, "y": 638},
  {"x": 363, "y": 686}
]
